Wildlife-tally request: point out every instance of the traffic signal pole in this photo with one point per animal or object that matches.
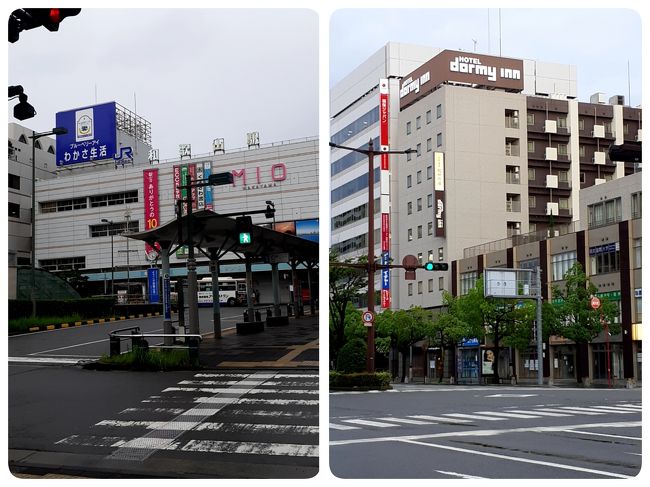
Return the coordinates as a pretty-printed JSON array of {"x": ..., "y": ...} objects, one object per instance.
[{"x": 370, "y": 352}]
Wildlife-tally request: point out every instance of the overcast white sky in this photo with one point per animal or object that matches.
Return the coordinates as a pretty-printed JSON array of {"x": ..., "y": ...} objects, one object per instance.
[
  {"x": 600, "y": 42},
  {"x": 195, "y": 74}
]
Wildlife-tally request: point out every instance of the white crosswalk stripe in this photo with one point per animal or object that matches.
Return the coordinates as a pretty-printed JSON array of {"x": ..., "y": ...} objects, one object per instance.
[
  {"x": 342, "y": 427},
  {"x": 473, "y": 416},
  {"x": 440, "y": 419},
  {"x": 405, "y": 421},
  {"x": 507, "y": 414},
  {"x": 538, "y": 412},
  {"x": 234, "y": 412},
  {"x": 367, "y": 422}
]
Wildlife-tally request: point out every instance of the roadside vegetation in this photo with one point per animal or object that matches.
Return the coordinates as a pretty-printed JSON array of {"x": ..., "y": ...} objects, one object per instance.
[
  {"x": 150, "y": 360},
  {"x": 22, "y": 325}
]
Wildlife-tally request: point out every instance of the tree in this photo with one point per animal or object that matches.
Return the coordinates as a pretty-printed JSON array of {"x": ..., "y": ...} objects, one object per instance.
[
  {"x": 505, "y": 321},
  {"x": 346, "y": 283},
  {"x": 405, "y": 327},
  {"x": 575, "y": 319}
]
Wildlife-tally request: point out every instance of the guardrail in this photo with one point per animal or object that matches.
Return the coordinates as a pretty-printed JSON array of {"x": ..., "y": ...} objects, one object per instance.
[{"x": 140, "y": 340}]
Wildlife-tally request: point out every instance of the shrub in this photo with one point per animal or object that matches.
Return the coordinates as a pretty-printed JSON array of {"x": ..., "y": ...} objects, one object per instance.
[
  {"x": 352, "y": 356},
  {"x": 363, "y": 380}
]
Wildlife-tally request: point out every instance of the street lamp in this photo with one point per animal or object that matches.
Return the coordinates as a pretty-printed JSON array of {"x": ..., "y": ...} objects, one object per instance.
[
  {"x": 370, "y": 152},
  {"x": 34, "y": 136},
  {"x": 111, "y": 232}
]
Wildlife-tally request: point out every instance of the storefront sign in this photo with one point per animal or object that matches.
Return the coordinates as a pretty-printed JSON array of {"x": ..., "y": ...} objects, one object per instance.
[
  {"x": 153, "y": 277},
  {"x": 439, "y": 190},
  {"x": 384, "y": 144},
  {"x": 260, "y": 177},
  {"x": 151, "y": 205}
]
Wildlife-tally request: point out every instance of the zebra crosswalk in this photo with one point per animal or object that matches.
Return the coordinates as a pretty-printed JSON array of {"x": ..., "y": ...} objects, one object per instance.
[
  {"x": 345, "y": 424},
  {"x": 266, "y": 414}
]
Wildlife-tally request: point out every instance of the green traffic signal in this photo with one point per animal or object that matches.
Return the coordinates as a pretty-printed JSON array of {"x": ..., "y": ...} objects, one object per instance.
[{"x": 435, "y": 266}]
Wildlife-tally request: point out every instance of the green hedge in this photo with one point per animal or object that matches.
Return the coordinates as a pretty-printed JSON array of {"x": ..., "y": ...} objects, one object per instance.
[
  {"x": 360, "y": 380},
  {"x": 352, "y": 357},
  {"x": 85, "y": 307}
]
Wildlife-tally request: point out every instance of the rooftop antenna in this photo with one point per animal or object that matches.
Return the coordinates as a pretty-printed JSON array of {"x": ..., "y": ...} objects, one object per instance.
[
  {"x": 499, "y": 32},
  {"x": 489, "y": 52},
  {"x": 629, "y": 89},
  {"x": 475, "y": 42}
]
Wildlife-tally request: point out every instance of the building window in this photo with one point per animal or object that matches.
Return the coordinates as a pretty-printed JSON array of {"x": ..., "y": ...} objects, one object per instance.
[
  {"x": 605, "y": 258},
  {"x": 439, "y": 139},
  {"x": 409, "y": 181},
  {"x": 512, "y": 146},
  {"x": 604, "y": 213},
  {"x": 114, "y": 199},
  {"x": 441, "y": 283},
  {"x": 637, "y": 253},
  {"x": 420, "y": 258},
  {"x": 359, "y": 125},
  {"x": 531, "y": 174},
  {"x": 117, "y": 228},
  {"x": 563, "y": 203},
  {"x": 562, "y": 149},
  {"x": 636, "y": 205},
  {"x": 430, "y": 200},
  {"x": 14, "y": 210},
  {"x": 583, "y": 177},
  {"x": 419, "y": 204},
  {"x": 532, "y": 227},
  {"x": 581, "y": 124},
  {"x": 350, "y": 216},
  {"x": 408, "y": 128},
  {"x": 410, "y": 235},
  {"x": 582, "y": 151},
  {"x": 419, "y": 287},
  {"x": 418, "y": 177},
  {"x": 438, "y": 111},
  {"x": 531, "y": 146},
  {"x": 418, "y": 123},
  {"x": 430, "y": 285},
  {"x": 409, "y": 207},
  {"x": 418, "y": 149},
  {"x": 430, "y": 228},
  {"x": 530, "y": 119},
  {"x": 409, "y": 156},
  {"x": 63, "y": 264},
  {"x": 14, "y": 181},
  {"x": 441, "y": 253},
  {"x": 419, "y": 231},
  {"x": 512, "y": 118},
  {"x": 561, "y": 122},
  {"x": 561, "y": 263},
  {"x": 429, "y": 145},
  {"x": 429, "y": 172},
  {"x": 428, "y": 116},
  {"x": 532, "y": 202},
  {"x": 467, "y": 282},
  {"x": 430, "y": 256},
  {"x": 563, "y": 176},
  {"x": 410, "y": 289},
  {"x": 64, "y": 205}
]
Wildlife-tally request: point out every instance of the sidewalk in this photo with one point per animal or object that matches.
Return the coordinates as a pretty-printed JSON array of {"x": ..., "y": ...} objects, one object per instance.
[{"x": 291, "y": 346}]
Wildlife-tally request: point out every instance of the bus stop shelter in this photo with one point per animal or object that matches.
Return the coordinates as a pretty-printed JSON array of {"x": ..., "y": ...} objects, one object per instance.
[{"x": 215, "y": 236}]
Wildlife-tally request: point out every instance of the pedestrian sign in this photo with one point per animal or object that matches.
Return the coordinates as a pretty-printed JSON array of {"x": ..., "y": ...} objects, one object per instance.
[
  {"x": 244, "y": 238},
  {"x": 368, "y": 318}
]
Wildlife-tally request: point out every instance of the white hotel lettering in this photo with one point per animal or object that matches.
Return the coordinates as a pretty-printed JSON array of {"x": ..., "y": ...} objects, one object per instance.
[{"x": 470, "y": 65}]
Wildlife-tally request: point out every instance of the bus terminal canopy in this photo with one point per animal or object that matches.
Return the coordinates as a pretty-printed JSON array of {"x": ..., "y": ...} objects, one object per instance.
[{"x": 213, "y": 232}]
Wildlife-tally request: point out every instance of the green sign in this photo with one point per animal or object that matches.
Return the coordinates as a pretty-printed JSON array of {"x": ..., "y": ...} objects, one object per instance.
[{"x": 244, "y": 238}]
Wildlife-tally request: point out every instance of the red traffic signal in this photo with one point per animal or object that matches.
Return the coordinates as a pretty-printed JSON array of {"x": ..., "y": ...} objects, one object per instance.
[{"x": 30, "y": 18}]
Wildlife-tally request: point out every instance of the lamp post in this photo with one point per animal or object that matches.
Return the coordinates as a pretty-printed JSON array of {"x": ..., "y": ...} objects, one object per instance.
[
  {"x": 370, "y": 152},
  {"x": 112, "y": 233},
  {"x": 34, "y": 136}
]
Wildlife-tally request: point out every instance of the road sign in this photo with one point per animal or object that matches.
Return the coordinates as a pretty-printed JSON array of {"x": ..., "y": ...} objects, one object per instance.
[
  {"x": 368, "y": 318},
  {"x": 595, "y": 302}
]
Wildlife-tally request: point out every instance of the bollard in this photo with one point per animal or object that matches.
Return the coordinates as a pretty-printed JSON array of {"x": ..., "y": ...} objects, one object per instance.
[
  {"x": 114, "y": 345},
  {"x": 258, "y": 315},
  {"x": 246, "y": 315},
  {"x": 193, "y": 348}
]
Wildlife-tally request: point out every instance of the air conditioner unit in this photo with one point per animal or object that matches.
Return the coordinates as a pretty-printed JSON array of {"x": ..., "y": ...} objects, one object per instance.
[
  {"x": 638, "y": 136},
  {"x": 551, "y": 181},
  {"x": 599, "y": 181},
  {"x": 598, "y": 131},
  {"x": 517, "y": 225},
  {"x": 551, "y": 154},
  {"x": 599, "y": 158},
  {"x": 552, "y": 209},
  {"x": 218, "y": 145},
  {"x": 617, "y": 100},
  {"x": 550, "y": 127}
]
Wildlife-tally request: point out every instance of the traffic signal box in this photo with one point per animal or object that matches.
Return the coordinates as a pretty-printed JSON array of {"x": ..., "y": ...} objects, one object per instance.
[
  {"x": 435, "y": 266},
  {"x": 30, "y": 18},
  {"x": 244, "y": 230}
]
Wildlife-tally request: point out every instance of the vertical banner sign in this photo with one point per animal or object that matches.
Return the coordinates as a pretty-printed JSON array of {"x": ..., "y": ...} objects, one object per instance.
[
  {"x": 167, "y": 298},
  {"x": 153, "y": 277},
  {"x": 151, "y": 205},
  {"x": 191, "y": 170},
  {"x": 200, "y": 193},
  {"x": 439, "y": 188},
  {"x": 385, "y": 191},
  {"x": 207, "y": 171},
  {"x": 184, "y": 173}
]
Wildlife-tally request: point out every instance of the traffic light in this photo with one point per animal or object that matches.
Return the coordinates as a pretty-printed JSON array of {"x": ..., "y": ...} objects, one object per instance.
[
  {"x": 244, "y": 229},
  {"x": 23, "y": 110},
  {"x": 30, "y": 18},
  {"x": 627, "y": 152},
  {"x": 436, "y": 266}
]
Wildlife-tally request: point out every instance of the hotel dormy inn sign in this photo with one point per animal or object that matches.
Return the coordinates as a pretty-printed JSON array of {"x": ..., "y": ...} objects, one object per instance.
[{"x": 463, "y": 68}]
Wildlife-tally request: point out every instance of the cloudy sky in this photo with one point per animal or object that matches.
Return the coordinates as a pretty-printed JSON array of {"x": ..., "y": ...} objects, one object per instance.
[
  {"x": 599, "y": 42},
  {"x": 194, "y": 74}
]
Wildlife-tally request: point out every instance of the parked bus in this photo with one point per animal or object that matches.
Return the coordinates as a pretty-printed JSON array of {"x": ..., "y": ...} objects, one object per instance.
[{"x": 232, "y": 291}]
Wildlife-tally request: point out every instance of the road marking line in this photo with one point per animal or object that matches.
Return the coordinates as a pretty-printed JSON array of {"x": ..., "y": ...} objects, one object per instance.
[
  {"x": 543, "y": 413},
  {"x": 603, "y": 434},
  {"x": 566, "y": 410},
  {"x": 507, "y": 414},
  {"x": 237, "y": 400},
  {"x": 581, "y": 410},
  {"x": 440, "y": 419},
  {"x": 522, "y": 460},
  {"x": 44, "y": 360},
  {"x": 488, "y": 432},
  {"x": 616, "y": 409},
  {"x": 231, "y": 390},
  {"x": 406, "y": 421},
  {"x": 461, "y": 475},
  {"x": 258, "y": 428},
  {"x": 366, "y": 422},
  {"x": 342, "y": 427},
  {"x": 246, "y": 448},
  {"x": 473, "y": 416}
]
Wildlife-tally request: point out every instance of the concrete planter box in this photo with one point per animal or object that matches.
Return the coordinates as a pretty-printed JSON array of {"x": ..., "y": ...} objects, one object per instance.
[{"x": 248, "y": 327}]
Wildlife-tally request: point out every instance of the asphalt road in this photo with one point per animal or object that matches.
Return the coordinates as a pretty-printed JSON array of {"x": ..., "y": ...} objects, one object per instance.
[
  {"x": 486, "y": 432},
  {"x": 88, "y": 342}
]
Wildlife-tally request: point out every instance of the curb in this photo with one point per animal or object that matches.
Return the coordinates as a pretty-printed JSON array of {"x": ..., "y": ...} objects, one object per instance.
[{"x": 98, "y": 321}]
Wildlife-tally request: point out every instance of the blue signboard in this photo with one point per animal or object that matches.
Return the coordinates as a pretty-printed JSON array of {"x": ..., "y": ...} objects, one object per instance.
[
  {"x": 207, "y": 171},
  {"x": 92, "y": 134},
  {"x": 385, "y": 273},
  {"x": 153, "y": 277},
  {"x": 167, "y": 298}
]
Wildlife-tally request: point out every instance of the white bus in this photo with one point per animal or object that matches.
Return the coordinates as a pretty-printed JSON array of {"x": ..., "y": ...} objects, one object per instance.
[{"x": 232, "y": 291}]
